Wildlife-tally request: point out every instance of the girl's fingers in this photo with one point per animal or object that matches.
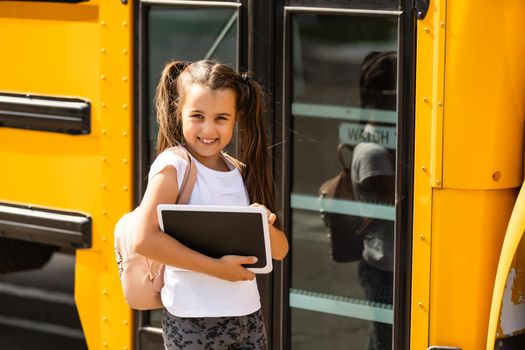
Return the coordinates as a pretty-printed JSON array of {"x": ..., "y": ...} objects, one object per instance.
[{"x": 271, "y": 216}]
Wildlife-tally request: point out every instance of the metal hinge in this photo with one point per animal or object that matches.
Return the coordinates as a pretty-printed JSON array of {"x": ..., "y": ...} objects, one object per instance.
[{"x": 421, "y": 8}]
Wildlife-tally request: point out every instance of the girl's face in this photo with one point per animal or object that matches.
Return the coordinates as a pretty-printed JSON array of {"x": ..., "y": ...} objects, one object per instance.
[{"x": 208, "y": 120}]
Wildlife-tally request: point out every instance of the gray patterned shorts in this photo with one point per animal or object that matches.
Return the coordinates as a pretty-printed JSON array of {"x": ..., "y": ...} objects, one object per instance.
[{"x": 214, "y": 333}]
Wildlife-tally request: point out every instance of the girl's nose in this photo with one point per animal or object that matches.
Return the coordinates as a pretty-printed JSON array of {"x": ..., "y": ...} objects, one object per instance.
[{"x": 207, "y": 127}]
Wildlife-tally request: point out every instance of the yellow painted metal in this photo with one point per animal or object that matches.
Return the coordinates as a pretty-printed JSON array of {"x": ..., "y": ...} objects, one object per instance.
[
  {"x": 466, "y": 236},
  {"x": 429, "y": 92},
  {"x": 115, "y": 78},
  {"x": 481, "y": 164},
  {"x": 470, "y": 83},
  {"x": 484, "y": 94},
  {"x": 512, "y": 257},
  {"x": 434, "y": 32},
  {"x": 64, "y": 50}
]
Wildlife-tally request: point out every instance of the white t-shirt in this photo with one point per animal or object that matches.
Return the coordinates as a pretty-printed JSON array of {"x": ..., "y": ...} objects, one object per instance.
[{"x": 193, "y": 294}]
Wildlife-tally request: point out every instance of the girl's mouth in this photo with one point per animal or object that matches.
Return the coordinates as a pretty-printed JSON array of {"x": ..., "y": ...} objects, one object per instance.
[{"x": 207, "y": 141}]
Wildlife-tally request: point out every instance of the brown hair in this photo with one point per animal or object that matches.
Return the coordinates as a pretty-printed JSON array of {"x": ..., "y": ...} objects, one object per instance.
[{"x": 171, "y": 91}]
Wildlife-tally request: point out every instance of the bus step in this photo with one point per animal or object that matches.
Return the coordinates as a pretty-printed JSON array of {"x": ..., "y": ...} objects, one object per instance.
[
  {"x": 37, "y": 308},
  {"x": 29, "y": 314}
]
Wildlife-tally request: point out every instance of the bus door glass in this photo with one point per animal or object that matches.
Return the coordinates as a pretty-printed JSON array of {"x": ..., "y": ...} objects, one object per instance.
[
  {"x": 176, "y": 32},
  {"x": 343, "y": 92}
]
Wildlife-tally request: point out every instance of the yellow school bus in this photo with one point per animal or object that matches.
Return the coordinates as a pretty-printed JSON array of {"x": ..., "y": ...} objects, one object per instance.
[{"x": 437, "y": 87}]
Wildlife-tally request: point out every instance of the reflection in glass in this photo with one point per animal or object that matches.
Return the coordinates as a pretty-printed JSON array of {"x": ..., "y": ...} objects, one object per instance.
[{"x": 344, "y": 137}]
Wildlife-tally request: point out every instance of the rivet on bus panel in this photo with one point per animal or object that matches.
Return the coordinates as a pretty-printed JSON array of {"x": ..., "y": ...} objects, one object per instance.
[
  {"x": 104, "y": 238},
  {"x": 104, "y": 344},
  {"x": 124, "y": 79},
  {"x": 440, "y": 104},
  {"x": 102, "y": 77},
  {"x": 104, "y": 159},
  {"x": 104, "y": 318},
  {"x": 104, "y": 292},
  {"x": 104, "y": 212},
  {"x": 124, "y": 106},
  {"x": 124, "y": 133},
  {"x": 124, "y": 51},
  {"x": 104, "y": 186},
  {"x": 424, "y": 169},
  {"x": 427, "y": 30},
  {"x": 124, "y": 23},
  {"x": 125, "y": 188},
  {"x": 125, "y": 322},
  {"x": 125, "y": 348},
  {"x": 420, "y": 305},
  {"x": 438, "y": 182},
  {"x": 103, "y": 23},
  {"x": 103, "y": 50},
  {"x": 125, "y": 161},
  {"x": 103, "y": 105},
  {"x": 104, "y": 132},
  {"x": 442, "y": 24},
  {"x": 425, "y": 99},
  {"x": 421, "y": 237}
]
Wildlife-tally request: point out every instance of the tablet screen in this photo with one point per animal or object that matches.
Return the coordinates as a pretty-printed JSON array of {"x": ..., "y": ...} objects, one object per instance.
[{"x": 219, "y": 231}]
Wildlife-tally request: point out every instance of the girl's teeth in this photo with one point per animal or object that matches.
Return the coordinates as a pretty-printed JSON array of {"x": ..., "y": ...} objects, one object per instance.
[{"x": 207, "y": 141}]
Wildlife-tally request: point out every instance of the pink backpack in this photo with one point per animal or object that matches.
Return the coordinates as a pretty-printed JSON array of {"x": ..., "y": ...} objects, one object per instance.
[{"x": 143, "y": 278}]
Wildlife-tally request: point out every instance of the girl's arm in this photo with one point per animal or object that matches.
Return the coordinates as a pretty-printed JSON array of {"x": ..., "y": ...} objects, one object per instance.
[
  {"x": 150, "y": 241},
  {"x": 278, "y": 240}
]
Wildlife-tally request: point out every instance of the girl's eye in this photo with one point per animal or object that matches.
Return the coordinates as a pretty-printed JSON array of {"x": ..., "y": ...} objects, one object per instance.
[
  {"x": 198, "y": 116},
  {"x": 222, "y": 117}
]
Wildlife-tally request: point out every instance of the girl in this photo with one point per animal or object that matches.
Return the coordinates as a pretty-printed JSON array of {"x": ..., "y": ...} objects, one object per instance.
[{"x": 215, "y": 303}]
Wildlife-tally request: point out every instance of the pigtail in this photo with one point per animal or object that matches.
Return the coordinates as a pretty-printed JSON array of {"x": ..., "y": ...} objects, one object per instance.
[
  {"x": 253, "y": 145},
  {"x": 166, "y": 106}
]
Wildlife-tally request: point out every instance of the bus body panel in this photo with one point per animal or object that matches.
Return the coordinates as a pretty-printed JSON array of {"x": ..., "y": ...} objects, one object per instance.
[
  {"x": 470, "y": 83},
  {"x": 465, "y": 237},
  {"x": 484, "y": 106},
  {"x": 83, "y": 51},
  {"x": 430, "y": 56}
]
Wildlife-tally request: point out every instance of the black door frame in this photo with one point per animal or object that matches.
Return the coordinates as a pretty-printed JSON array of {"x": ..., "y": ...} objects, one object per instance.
[
  {"x": 262, "y": 51},
  {"x": 404, "y": 161}
]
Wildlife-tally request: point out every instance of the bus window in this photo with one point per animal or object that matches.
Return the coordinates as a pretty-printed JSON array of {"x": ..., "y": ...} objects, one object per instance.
[
  {"x": 344, "y": 82},
  {"x": 177, "y": 33}
]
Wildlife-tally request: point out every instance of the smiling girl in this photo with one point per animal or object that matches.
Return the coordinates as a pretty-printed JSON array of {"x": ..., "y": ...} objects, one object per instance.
[{"x": 212, "y": 303}]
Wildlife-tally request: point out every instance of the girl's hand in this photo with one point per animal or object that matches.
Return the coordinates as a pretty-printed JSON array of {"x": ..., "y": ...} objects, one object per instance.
[
  {"x": 232, "y": 269},
  {"x": 278, "y": 239},
  {"x": 271, "y": 216}
]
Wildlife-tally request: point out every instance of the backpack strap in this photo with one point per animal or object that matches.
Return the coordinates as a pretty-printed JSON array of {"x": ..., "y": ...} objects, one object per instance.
[
  {"x": 186, "y": 188},
  {"x": 190, "y": 175}
]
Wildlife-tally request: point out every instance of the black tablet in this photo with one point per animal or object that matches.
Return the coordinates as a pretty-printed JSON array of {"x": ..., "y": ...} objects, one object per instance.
[{"x": 220, "y": 230}]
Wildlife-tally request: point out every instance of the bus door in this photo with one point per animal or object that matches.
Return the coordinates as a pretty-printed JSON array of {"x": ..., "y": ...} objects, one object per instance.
[
  {"x": 175, "y": 30},
  {"x": 338, "y": 79},
  {"x": 346, "y": 123}
]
